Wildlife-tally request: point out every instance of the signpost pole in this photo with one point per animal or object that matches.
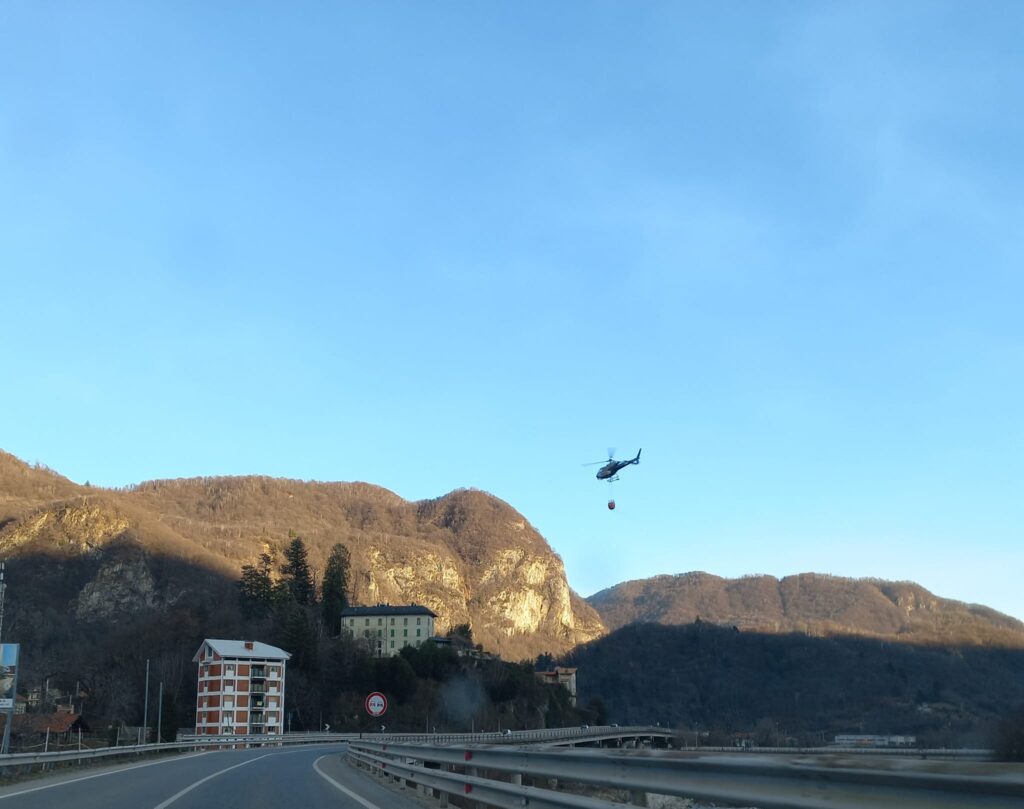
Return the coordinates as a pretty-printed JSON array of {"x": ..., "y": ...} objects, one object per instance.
[{"x": 8, "y": 688}]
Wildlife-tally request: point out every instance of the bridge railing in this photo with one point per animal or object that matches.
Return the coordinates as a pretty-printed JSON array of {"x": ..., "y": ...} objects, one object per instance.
[{"x": 493, "y": 776}]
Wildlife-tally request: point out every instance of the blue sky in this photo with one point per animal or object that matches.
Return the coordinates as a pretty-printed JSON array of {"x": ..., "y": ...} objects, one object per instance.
[{"x": 435, "y": 245}]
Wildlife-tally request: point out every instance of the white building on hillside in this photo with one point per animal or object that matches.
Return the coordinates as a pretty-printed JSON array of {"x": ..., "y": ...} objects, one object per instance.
[{"x": 386, "y": 629}]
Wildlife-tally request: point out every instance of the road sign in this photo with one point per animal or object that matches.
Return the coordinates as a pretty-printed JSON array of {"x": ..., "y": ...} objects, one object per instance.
[{"x": 376, "y": 704}]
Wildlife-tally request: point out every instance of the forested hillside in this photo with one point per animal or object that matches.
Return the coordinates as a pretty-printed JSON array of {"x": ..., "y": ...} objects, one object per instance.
[
  {"x": 811, "y": 603},
  {"x": 792, "y": 685}
]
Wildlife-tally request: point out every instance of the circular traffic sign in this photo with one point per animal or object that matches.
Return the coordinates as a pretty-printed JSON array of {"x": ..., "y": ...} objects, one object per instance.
[{"x": 376, "y": 704}]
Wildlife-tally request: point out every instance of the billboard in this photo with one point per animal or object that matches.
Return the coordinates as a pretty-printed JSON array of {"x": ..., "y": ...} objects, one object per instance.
[{"x": 8, "y": 674}]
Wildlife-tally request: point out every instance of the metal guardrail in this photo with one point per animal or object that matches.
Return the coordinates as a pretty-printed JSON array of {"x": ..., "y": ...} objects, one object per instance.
[
  {"x": 736, "y": 779},
  {"x": 197, "y": 741},
  {"x": 188, "y": 743}
]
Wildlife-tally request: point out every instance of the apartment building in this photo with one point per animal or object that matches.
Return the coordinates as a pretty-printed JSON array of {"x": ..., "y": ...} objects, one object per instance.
[
  {"x": 386, "y": 628},
  {"x": 241, "y": 687}
]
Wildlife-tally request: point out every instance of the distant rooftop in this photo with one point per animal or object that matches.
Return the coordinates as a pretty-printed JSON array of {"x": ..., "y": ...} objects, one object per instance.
[
  {"x": 387, "y": 609},
  {"x": 242, "y": 649}
]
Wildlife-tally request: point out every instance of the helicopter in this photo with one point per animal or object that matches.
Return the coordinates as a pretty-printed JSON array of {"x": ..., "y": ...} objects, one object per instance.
[{"x": 610, "y": 469}]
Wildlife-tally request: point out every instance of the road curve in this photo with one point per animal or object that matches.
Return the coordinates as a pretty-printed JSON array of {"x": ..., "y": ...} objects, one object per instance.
[{"x": 262, "y": 778}]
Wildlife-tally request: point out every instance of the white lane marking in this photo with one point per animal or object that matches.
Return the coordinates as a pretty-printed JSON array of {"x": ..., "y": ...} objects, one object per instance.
[
  {"x": 332, "y": 782},
  {"x": 190, "y": 787},
  {"x": 99, "y": 775}
]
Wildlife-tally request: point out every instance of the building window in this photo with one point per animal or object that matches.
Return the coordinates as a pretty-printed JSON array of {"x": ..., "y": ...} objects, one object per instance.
[
  {"x": 380, "y": 632},
  {"x": 380, "y": 621},
  {"x": 418, "y": 621},
  {"x": 392, "y": 622},
  {"x": 392, "y": 644},
  {"x": 367, "y": 621},
  {"x": 417, "y": 633},
  {"x": 405, "y": 633},
  {"x": 405, "y": 622},
  {"x": 392, "y": 633}
]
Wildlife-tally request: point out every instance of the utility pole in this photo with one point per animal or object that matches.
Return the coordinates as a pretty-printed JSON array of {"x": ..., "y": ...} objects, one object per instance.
[
  {"x": 3, "y": 587},
  {"x": 5, "y": 745},
  {"x": 159, "y": 712},
  {"x": 145, "y": 709}
]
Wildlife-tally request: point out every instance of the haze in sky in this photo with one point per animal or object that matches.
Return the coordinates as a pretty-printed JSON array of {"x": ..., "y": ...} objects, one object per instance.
[{"x": 437, "y": 245}]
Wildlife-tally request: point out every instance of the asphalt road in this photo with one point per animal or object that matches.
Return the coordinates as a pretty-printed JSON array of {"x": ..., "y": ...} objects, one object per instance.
[{"x": 265, "y": 778}]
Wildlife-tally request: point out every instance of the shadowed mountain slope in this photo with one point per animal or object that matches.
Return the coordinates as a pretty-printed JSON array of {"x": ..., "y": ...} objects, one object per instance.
[
  {"x": 811, "y": 603},
  {"x": 795, "y": 686}
]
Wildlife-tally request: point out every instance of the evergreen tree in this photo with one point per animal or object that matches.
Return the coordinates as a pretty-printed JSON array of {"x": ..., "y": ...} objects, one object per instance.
[
  {"x": 335, "y": 587},
  {"x": 296, "y": 573},
  {"x": 170, "y": 721},
  {"x": 299, "y": 638},
  {"x": 256, "y": 588}
]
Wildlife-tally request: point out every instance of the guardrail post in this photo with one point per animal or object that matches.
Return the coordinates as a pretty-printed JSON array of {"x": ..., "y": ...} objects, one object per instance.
[
  {"x": 443, "y": 797},
  {"x": 517, "y": 778},
  {"x": 475, "y": 773},
  {"x": 638, "y": 797}
]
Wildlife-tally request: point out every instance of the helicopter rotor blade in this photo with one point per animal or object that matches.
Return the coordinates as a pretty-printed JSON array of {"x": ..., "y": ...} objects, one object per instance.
[{"x": 611, "y": 453}]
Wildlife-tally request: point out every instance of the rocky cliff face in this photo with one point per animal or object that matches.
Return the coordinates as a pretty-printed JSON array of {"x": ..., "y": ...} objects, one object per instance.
[
  {"x": 810, "y": 603},
  {"x": 468, "y": 556}
]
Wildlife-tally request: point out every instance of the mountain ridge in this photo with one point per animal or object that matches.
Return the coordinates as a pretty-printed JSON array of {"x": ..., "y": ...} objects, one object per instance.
[
  {"x": 811, "y": 603},
  {"x": 467, "y": 555}
]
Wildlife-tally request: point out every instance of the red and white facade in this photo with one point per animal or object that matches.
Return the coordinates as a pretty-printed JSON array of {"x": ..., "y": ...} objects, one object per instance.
[{"x": 241, "y": 687}]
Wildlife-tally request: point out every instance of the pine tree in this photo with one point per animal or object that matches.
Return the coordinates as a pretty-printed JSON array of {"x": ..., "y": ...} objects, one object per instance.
[
  {"x": 299, "y": 638},
  {"x": 296, "y": 573},
  {"x": 170, "y": 721},
  {"x": 256, "y": 588},
  {"x": 335, "y": 587}
]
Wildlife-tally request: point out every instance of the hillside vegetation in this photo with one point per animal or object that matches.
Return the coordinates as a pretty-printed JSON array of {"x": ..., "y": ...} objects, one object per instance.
[
  {"x": 809, "y": 603},
  {"x": 799, "y": 688}
]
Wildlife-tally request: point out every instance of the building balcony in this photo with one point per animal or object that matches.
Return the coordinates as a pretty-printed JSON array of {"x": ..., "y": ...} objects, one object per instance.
[{"x": 257, "y": 688}]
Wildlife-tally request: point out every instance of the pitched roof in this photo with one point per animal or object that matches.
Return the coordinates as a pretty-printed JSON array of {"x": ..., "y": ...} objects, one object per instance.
[
  {"x": 39, "y": 722},
  {"x": 238, "y": 648},
  {"x": 387, "y": 609}
]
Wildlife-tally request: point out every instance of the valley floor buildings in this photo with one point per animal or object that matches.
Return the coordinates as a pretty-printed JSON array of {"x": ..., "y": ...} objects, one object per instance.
[{"x": 241, "y": 687}]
